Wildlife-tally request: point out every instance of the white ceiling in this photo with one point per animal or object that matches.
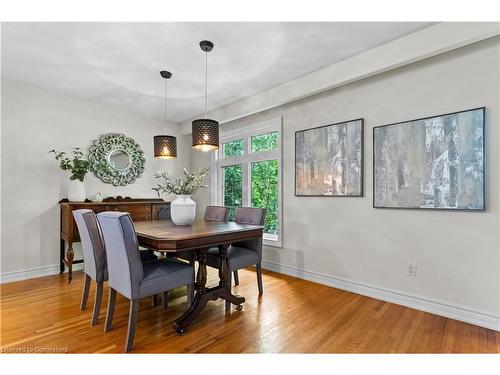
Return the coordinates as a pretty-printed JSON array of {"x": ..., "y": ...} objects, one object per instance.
[{"x": 118, "y": 63}]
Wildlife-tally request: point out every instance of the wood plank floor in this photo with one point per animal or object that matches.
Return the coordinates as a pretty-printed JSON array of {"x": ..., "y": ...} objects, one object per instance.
[{"x": 293, "y": 316}]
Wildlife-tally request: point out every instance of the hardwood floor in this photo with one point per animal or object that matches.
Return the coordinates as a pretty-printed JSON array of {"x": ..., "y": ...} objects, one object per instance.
[{"x": 293, "y": 316}]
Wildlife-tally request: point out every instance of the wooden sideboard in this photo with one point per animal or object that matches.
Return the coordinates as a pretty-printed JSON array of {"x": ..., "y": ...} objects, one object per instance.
[{"x": 139, "y": 209}]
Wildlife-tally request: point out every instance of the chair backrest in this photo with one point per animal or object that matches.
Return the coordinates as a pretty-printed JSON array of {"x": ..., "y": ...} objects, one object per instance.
[
  {"x": 250, "y": 215},
  {"x": 253, "y": 216},
  {"x": 216, "y": 213},
  {"x": 94, "y": 255},
  {"x": 125, "y": 271}
]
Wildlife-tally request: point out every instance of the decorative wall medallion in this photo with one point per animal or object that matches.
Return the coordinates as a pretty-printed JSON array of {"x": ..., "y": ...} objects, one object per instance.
[{"x": 116, "y": 159}]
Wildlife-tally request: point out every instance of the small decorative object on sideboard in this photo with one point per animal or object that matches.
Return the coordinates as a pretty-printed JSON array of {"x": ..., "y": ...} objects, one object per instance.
[
  {"x": 78, "y": 167},
  {"x": 183, "y": 208},
  {"x": 97, "y": 198}
]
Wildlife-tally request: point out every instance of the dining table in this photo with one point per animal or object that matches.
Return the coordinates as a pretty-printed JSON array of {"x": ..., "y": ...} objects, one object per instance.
[{"x": 202, "y": 235}]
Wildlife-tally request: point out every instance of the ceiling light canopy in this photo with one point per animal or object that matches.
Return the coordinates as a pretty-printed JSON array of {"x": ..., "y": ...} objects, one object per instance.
[
  {"x": 205, "y": 131},
  {"x": 165, "y": 146}
]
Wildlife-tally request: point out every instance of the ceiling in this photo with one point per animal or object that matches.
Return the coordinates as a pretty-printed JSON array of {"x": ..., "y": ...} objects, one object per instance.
[{"x": 118, "y": 64}]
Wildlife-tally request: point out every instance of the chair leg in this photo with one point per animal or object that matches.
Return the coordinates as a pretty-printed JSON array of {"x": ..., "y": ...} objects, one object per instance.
[
  {"x": 111, "y": 309},
  {"x": 164, "y": 299},
  {"x": 259, "y": 278},
  {"x": 228, "y": 304},
  {"x": 236, "y": 278},
  {"x": 190, "y": 294},
  {"x": 154, "y": 300},
  {"x": 97, "y": 303},
  {"x": 132, "y": 323},
  {"x": 85, "y": 294}
]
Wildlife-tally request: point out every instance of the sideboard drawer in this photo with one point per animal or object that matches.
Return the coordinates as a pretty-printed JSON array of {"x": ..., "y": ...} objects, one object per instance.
[{"x": 137, "y": 212}]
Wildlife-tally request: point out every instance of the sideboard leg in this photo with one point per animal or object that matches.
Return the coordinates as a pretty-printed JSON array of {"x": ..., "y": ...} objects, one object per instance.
[
  {"x": 70, "y": 254},
  {"x": 61, "y": 256}
]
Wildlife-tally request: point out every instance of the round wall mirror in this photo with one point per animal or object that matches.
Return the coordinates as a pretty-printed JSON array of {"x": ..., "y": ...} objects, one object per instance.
[
  {"x": 116, "y": 159},
  {"x": 119, "y": 160}
]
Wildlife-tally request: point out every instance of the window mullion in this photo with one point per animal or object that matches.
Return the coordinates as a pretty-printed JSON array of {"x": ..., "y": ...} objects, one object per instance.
[
  {"x": 261, "y": 156},
  {"x": 246, "y": 177}
]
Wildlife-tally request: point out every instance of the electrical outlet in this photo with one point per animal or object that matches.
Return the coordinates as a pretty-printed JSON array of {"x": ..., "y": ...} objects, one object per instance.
[{"x": 412, "y": 269}]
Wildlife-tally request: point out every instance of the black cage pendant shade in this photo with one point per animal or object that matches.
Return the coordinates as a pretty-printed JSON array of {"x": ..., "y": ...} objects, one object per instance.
[
  {"x": 205, "y": 131},
  {"x": 165, "y": 146}
]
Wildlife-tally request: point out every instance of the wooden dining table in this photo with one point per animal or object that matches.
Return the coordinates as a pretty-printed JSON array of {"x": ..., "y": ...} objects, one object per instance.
[{"x": 166, "y": 237}]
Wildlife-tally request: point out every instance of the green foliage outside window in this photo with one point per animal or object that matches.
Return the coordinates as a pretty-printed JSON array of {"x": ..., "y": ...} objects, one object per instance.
[
  {"x": 233, "y": 193},
  {"x": 265, "y": 142},
  {"x": 265, "y": 192},
  {"x": 234, "y": 148}
]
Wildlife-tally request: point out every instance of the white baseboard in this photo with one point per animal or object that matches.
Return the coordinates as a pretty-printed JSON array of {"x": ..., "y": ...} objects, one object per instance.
[
  {"x": 32, "y": 273},
  {"x": 408, "y": 300}
]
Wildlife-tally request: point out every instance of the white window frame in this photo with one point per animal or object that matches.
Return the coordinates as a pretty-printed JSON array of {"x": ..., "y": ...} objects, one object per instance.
[{"x": 245, "y": 160}]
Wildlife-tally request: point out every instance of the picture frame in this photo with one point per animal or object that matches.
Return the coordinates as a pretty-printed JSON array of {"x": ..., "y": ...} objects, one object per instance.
[
  {"x": 329, "y": 160},
  {"x": 445, "y": 183}
]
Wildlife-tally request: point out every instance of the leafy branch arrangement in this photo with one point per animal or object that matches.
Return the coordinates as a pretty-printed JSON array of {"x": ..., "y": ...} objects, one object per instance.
[
  {"x": 77, "y": 165},
  {"x": 190, "y": 184}
]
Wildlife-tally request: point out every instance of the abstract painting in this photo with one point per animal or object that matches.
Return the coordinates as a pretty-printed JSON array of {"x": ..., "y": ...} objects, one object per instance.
[
  {"x": 431, "y": 163},
  {"x": 329, "y": 160}
]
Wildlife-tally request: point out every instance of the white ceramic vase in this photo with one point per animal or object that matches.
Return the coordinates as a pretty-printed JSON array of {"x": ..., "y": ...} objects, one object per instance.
[
  {"x": 183, "y": 210},
  {"x": 76, "y": 191}
]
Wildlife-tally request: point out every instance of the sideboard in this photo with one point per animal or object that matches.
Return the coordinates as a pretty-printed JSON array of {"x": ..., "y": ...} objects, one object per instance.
[{"x": 139, "y": 209}]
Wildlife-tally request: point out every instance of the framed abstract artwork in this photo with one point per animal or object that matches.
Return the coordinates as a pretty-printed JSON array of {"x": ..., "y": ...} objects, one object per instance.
[
  {"x": 329, "y": 160},
  {"x": 431, "y": 163}
]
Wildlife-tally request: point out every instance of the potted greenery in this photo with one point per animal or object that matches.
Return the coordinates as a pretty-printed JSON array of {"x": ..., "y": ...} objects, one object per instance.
[
  {"x": 78, "y": 167},
  {"x": 183, "y": 208}
]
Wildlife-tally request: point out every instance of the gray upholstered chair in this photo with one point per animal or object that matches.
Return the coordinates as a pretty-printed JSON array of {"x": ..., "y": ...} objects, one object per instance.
[
  {"x": 212, "y": 213},
  {"x": 245, "y": 253},
  {"x": 132, "y": 278},
  {"x": 94, "y": 258}
]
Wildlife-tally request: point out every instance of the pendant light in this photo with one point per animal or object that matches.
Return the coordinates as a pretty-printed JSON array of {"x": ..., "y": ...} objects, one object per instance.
[
  {"x": 206, "y": 131},
  {"x": 165, "y": 146}
]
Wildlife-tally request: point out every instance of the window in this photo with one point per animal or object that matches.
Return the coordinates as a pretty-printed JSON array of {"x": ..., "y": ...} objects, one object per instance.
[{"x": 247, "y": 172}]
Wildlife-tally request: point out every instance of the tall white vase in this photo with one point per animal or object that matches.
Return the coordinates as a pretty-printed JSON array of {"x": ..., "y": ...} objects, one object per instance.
[
  {"x": 76, "y": 191},
  {"x": 183, "y": 210}
]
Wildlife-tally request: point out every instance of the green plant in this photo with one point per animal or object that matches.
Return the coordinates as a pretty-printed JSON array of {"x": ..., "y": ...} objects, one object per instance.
[
  {"x": 189, "y": 185},
  {"x": 77, "y": 165}
]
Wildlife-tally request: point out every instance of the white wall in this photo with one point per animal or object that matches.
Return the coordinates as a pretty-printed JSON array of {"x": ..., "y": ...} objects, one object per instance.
[
  {"x": 345, "y": 242},
  {"x": 35, "y": 121}
]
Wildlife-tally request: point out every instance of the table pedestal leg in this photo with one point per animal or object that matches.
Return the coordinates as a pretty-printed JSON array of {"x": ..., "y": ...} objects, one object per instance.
[
  {"x": 201, "y": 276},
  {"x": 204, "y": 294},
  {"x": 224, "y": 282},
  {"x": 223, "y": 267}
]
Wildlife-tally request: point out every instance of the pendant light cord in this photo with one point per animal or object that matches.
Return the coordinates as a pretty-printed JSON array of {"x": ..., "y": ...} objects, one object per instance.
[
  {"x": 206, "y": 83},
  {"x": 165, "y": 108}
]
